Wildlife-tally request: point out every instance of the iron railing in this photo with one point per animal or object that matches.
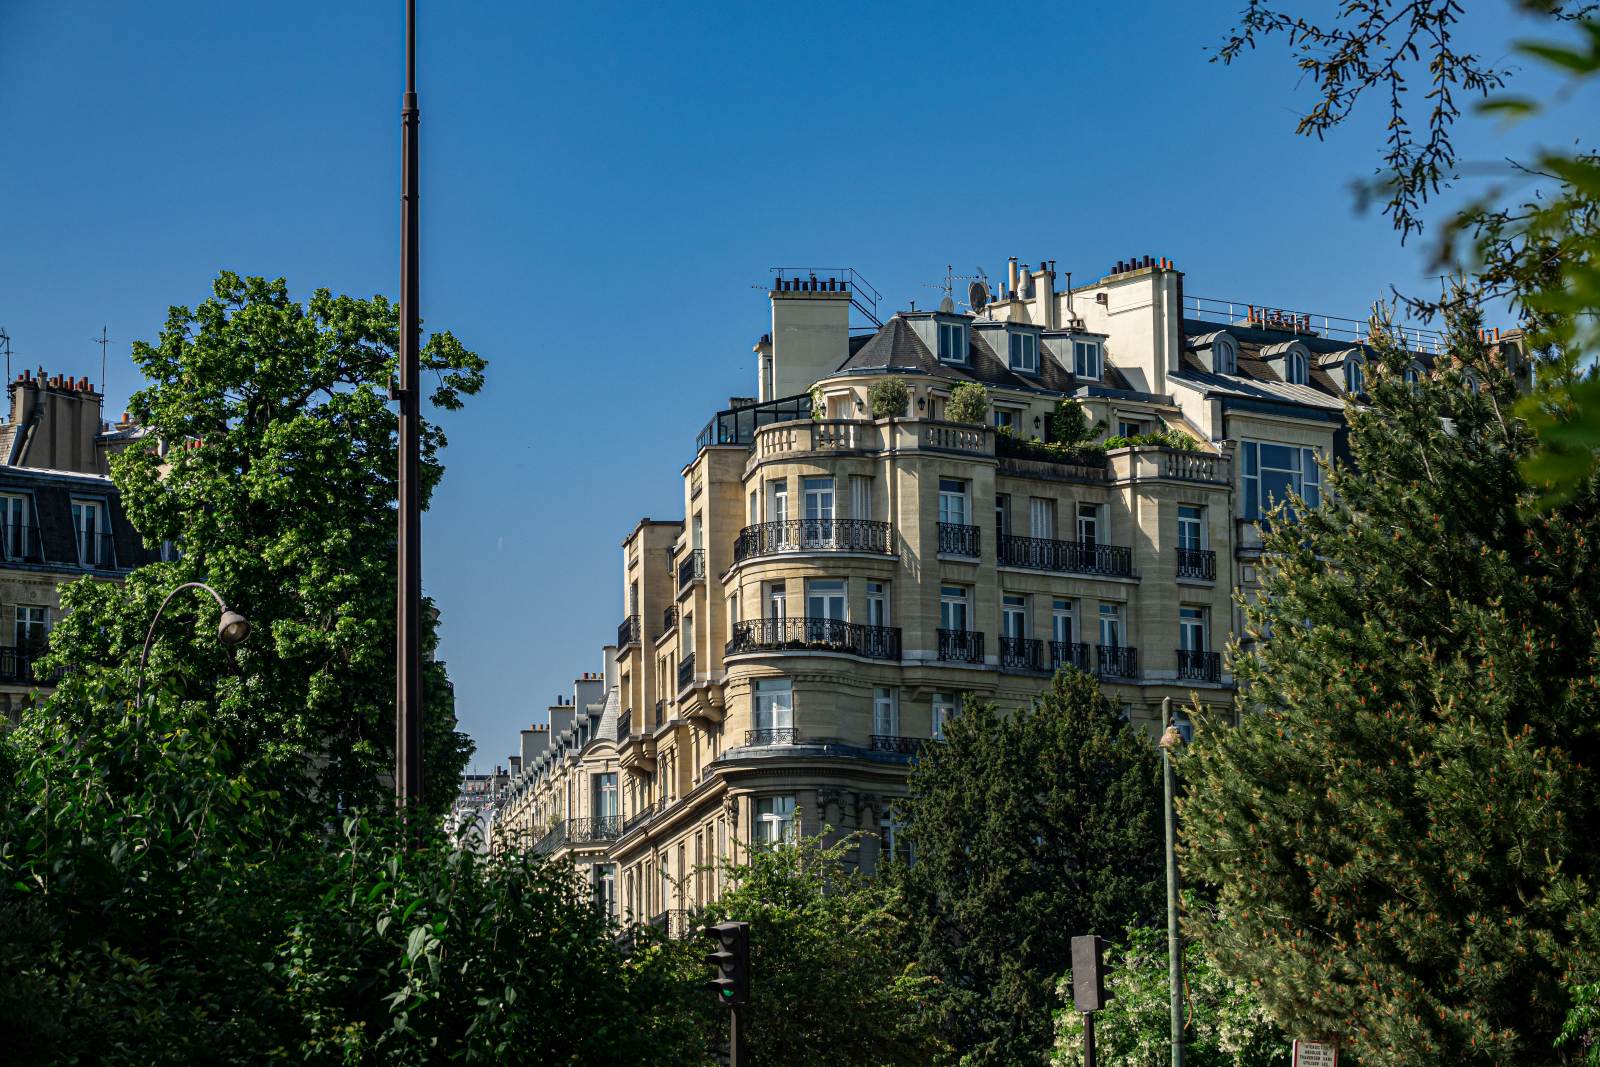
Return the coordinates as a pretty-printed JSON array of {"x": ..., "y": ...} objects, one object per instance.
[
  {"x": 637, "y": 819},
  {"x": 1117, "y": 661},
  {"x": 628, "y": 632},
  {"x": 1197, "y": 563},
  {"x": 1197, "y": 666},
  {"x": 958, "y": 540},
  {"x": 692, "y": 568},
  {"x": 815, "y": 635},
  {"x": 1069, "y": 654},
  {"x": 661, "y": 711},
  {"x": 669, "y": 619},
  {"x": 961, "y": 646},
  {"x": 782, "y": 735},
  {"x": 814, "y": 535},
  {"x": 97, "y": 551},
  {"x": 1021, "y": 654},
  {"x": 908, "y": 746},
  {"x": 625, "y": 724},
  {"x": 675, "y": 923},
  {"x": 737, "y": 426},
  {"x": 686, "y": 672},
  {"x": 1075, "y": 557},
  {"x": 21, "y": 543},
  {"x": 580, "y": 832},
  {"x": 16, "y": 665}
]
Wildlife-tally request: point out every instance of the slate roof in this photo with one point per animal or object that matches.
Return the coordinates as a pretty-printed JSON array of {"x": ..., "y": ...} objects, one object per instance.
[{"x": 896, "y": 349}]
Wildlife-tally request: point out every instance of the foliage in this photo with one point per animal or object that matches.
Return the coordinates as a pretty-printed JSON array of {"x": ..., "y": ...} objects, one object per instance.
[
  {"x": 1090, "y": 454},
  {"x": 969, "y": 402},
  {"x": 1029, "y": 827},
  {"x": 1582, "y": 1025},
  {"x": 1224, "y": 1023},
  {"x": 1070, "y": 426},
  {"x": 277, "y": 484},
  {"x": 833, "y": 980},
  {"x": 1403, "y": 839},
  {"x": 1166, "y": 438},
  {"x": 162, "y": 910},
  {"x": 888, "y": 397},
  {"x": 819, "y": 403}
]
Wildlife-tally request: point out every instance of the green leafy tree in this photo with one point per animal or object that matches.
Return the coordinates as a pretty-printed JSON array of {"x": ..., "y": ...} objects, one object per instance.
[
  {"x": 1225, "y": 1024},
  {"x": 833, "y": 978},
  {"x": 1030, "y": 827},
  {"x": 888, "y": 398},
  {"x": 969, "y": 402},
  {"x": 1070, "y": 426},
  {"x": 1403, "y": 837},
  {"x": 270, "y": 463}
]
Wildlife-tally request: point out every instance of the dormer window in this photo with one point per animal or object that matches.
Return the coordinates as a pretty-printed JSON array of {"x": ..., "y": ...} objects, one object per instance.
[
  {"x": 1086, "y": 359},
  {"x": 1355, "y": 376},
  {"x": 953, "y": 342},
  {"x": 1473, "y": 383},
  {"x": 1225, "y": 356},
  {"x": 1025, "y": 352},
  {"x": 1294, "y": 368},
  {"x": 1413, "y": 373}
]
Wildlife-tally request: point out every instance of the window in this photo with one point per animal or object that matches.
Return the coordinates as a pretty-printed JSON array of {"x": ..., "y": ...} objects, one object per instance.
[
  {"x": 1041, "y": 518},
  {"x": 1192, "y": 629},
  {"x": 15, "y": 530},
  {"x": 777, "y": 601},
  {"x": 733, "y": 611},
  {"x": 1130, "y": 429},
  {"x": 1062, "y": 618},
  {"x": 778, "y": 501},
  {"x": 1224, "y": 357},
  {"x": 818, "y": 499},
  {"x": 1086, "y": 359},
  {"x": 1355, "y": 376},
  {"x": 774, "y": 820},
  {"x": 755, "y": 508},
  {"x": 605, "y": 888},
  {"x": 605, "y": 795},
  {"x": 1111, "y": 625},
  {"x": 774, "y": 704},
  {"x": 952, "y": 501},
  {"x": 1089, "y": 523},
  {"x": 953, "y": 342},
  {"x": 1294, "y": 367},
  {"x": 1005, "y": 420},
  {"x": 33, "y": 626},
  {"x": 1191, "y": 527},
  {"x": 825, "y": 598},
  {"x": 1002, "y": 515},
  {"x": 944, "y": 710},
  {"x": 1185, "y": 725},
  {"x": 697, "y": 528},
  {"x": 877, "y": 603},
  {"x": 896, "y": 845},
  {"x": 1473, "y": 382},
  {"x": 1014, "y": 616},
  {"x": 1025, "y": 352},
  {"x": 1269, "y": 473},
  {"x": 1414, "y": 374},
  {"x": 952, "y": 607},
  {"x": 886, "y": 712},
  {"x": 861, "y": 497},
  {"x": 94, "y": 534}
]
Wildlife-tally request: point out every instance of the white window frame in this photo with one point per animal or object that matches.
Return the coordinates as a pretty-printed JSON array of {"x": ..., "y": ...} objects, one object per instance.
[
  {"x": 773, "y": 700},
  {"x": 14, "y": 511},
  {"x": 943, "y": 709},
  {"x": 26, "y": 621},
  {"x": 774, "y": 820},
  {"x": 1305, "y": 483},
  {"x": 954, "y": 502},
  {"x": 1192, "y": 527},
  {"x": 955, "y": 600},
  {"x": 1088, "y": 360},
  {"x": 1014, "y": 616},
  {"x": 1295, "y": 369},
  {"x": 1042, "y": 518},
  {"x": 886, "y": 711},
  {"x": 1191, "y": 628},
  {"x": 953, "y": 342},
  {"x": 878, "y": 604},
  {"x": 827, "y": 598},
  {"x": 1111, "y": 625},
  {"x": 1089, "y": 523},
  {"x": 89, "y": 540},
  {"x": 1024, "y": 351},
  {"x": 1355, "y": 375}
]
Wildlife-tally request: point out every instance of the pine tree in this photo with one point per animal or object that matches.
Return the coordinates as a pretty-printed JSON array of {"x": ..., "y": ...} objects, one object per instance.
[
  {"x": 1403, "y": 828},
  {"x": 1029, "y": 827}
]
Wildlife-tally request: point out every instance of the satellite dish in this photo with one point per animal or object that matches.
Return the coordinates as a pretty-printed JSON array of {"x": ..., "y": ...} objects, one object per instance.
[
  {"x": 947, "y": 305},
  {"x": 978, "y": 296}
]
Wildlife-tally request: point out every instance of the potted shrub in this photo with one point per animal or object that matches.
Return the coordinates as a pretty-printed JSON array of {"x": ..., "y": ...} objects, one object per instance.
[
  {"x": 888, "y": 398},
  {"x": 969, "y": 402}
]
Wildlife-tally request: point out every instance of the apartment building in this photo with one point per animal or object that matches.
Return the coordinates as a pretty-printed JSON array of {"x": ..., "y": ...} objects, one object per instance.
[
  {"x": 60, "y": 518},
  {"x": 841, "y": 583}
]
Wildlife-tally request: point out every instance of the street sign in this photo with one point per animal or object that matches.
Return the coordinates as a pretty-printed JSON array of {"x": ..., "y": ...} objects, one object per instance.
[{"x": 1315, "y": 1054}]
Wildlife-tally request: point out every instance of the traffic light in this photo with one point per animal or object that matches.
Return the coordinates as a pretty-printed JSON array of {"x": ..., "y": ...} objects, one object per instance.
[
  {"x": 730, "y": 963},
  {"x": 1088, "y": 973}
]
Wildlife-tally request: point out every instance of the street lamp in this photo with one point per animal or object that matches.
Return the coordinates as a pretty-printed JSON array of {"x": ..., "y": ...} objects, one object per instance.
[
  {"x": 232, "y": 628},
  {"x": 1170, "y": 739}
]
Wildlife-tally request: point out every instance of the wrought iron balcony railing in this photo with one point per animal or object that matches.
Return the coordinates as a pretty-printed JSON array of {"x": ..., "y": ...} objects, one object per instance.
[
  {"x": 16, "y": 666},
  {"x": 98, "y": 551},
  {"x": 815, "y": 635},
  {"x": 814, "y": 535},
  {"x": 1069, "y": 654},
  {"x": 21, "y": 543},
  {"x": 692, "y": 568},
  {"x": 675, "y": 923},
  {"x": 781, "y": 735},
  {"x": 908, "y": 746},
  {"x": 1117, "y": 661},
  {"x": 686, "y": 672},
  {"x": 580, "y": 832},
  {"x": 669, "y": 618},
  {"x": 958, "y": 540},
  {"x": 628, "y": 632},
  {"x": 1197, "y": 563},
  {"x": 1197, "y": 666},
  {"x": 1066, "y": 557},
  {"x": 1021, "y": 654},
  {"x": 625, "y": 725},
  {"x": 661, "y": 712},
  {"x": 961, "y": 646}
]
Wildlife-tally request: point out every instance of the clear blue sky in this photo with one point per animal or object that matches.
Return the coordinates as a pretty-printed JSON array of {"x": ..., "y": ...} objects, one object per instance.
[{"x": 604, "y": 188}]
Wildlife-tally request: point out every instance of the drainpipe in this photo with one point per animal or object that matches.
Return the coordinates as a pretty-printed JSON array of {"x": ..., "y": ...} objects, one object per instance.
[{"x": 18, "y": 436}]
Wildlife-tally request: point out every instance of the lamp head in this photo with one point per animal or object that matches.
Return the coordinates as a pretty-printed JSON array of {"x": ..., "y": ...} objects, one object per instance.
[{"x": 232, "y": 628}]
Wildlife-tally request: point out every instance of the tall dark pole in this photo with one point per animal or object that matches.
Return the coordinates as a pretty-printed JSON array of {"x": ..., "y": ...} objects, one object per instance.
[
  {"x": 408, "y": 608},
  {"x": 1171, "y": 738}
]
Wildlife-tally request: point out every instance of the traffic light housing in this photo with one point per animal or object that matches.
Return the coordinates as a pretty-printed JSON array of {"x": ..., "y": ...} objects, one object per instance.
[
  {"x": 1088, "y": 973},
  {"x": 730, "y": 963}
]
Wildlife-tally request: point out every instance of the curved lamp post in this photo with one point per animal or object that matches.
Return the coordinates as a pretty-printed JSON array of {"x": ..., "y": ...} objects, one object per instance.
[
  {"x": 1171, "y": 740},
  {"x": 232, "y": 628}
]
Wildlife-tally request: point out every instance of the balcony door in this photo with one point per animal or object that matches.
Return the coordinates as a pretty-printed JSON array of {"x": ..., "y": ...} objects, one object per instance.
[
  {"x": 1192, "y": 629},
  {"x": 605, "y": 796},
  {"x": 1111, "y": 625},
  {"x": 1014, "y": 617},
  {"x": 953, "y": 608},
  {"x": 1089, "y": 523},
  {"x": 1042, "y": 518},
  {"x": 886, "y": 712},
  {"x": 774, "y": 704},
  {"x": 89, "y": 523},
  {"x": 877, "y": 603},
  {"x": 952, "y": 502},
  {"x": 825, "y": 610},
  {"x": 1061, "y": 622},
  {"x": 14, "y": 527},
  {"x": 1191, "y": 528},
  {"x": 817, "y": 530}
]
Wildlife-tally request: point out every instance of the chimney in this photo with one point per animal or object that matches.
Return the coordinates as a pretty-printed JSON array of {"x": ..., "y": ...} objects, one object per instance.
[
  {"x": 56, "y": 423},
  {"x": 1044, "y": 295},
  {"x": 1011, "y": 277}
]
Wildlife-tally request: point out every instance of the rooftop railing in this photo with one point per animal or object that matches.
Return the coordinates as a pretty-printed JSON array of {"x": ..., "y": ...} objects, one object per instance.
[{"x": 1306, "y": 323}]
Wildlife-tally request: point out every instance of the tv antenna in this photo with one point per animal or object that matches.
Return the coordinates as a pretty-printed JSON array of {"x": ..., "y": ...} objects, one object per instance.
[
  {"x": 102, "y": 341},
  {"x": 5, "y": 345},
  {"x": 948, "y": 285}
]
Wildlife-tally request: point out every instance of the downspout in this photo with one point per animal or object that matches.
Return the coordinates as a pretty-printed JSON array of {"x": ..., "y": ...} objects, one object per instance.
[{"x": 24, "y": 428}]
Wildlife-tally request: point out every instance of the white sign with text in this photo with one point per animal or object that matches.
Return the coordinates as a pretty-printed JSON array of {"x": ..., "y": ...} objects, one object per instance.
[{"x": 1315, "y": 1054}]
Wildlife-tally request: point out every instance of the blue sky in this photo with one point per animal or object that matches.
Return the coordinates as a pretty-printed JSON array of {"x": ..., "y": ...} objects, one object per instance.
[{"x": 604, "y": 189}]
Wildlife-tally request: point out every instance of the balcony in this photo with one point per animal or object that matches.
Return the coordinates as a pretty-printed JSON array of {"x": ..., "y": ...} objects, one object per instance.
[
  {"x": 814, "y": 535},
  {"x": 674, "y": 923},
  {"x": 958, "y": 540},
  {"x": 624, "y": 725},
  {"x": 97, "y": 551},
  {"x": 691, "y": 569},
  {"x": 661, "y": 712},
  {"x": 815, "y": 635},
  {"x": 1069, "y": 654},
  {"x": 669, "y": 620},
  {"x": 580, "y": 832},
  {"x": 1196, "y": 666},
  {"x": 1021, "y": 654},
  {"x": 961, "y": 646},
  {"x": 782, "y": 735},
  {"x": 904, "y": 746},
  {"x": 628, "y": 632},
  {"x": 686, "y": 672},
  {"x": 637, "y": 819},
  {"x": 1117, "y": 661},
  {"x": 1066, "y": 557},
  {"x": 16, "y": 666},
  {"x": 22, "y": 544},
  {"x": 1197, "y": 563}
]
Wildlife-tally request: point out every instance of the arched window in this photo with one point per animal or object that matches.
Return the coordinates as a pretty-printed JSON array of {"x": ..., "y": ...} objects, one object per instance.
[
  {"x": 1473, "y": 382},
  {"x": 1294, "y": 367},
  {"x": 1355, "y": 375},
  {"x": 1413, "y": 373},
  {"x": 1226, "y": 359}
]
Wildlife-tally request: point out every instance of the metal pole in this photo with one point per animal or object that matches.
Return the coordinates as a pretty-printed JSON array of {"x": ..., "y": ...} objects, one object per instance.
[
  {"x": 736, "y": 1055},
  {"x": 408, "y": 609},
  {"x": 1170, "y": 739},
  {"x": 1088, "y": 1040}
]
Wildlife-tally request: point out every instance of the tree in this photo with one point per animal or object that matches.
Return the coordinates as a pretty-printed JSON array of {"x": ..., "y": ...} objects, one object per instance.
[
  {"x": 969, "y": 402},
  {"x": 832, "y": 975},
  {"x": 1225, "y": 1024},
  {"x": 1070, "y": 426},
  {"x": 1029, "y": 827},
  {"x": 1403, "y": 835},
  {"x": 888, "y": 398},
  {"x": 270, "y": 462}
]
